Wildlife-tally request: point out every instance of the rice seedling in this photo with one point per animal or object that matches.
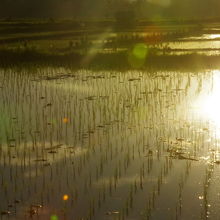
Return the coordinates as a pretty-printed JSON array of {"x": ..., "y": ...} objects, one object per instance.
[{"x": 106, "y": 145}]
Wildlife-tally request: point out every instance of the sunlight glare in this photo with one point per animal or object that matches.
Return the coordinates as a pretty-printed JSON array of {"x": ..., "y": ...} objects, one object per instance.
[
  {"x": 214, "y": 36},
  {"x": 209, "y": 104}
]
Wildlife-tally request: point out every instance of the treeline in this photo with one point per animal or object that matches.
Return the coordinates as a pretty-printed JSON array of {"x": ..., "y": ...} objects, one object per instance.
[{"x": 108, "y": 8}]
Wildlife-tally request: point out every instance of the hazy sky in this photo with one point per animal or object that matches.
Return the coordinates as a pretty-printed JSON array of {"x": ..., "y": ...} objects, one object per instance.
[{"x": 102, "y": 8}]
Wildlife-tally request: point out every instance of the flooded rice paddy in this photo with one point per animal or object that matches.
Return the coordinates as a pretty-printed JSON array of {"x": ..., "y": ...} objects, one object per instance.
[{"x": 109, "y": 145}]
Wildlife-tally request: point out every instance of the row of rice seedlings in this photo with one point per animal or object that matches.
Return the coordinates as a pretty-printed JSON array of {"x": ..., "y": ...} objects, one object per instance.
[{"x": 93, "y": 123}]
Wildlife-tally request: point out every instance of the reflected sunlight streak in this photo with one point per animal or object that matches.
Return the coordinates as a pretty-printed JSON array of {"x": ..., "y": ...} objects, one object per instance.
[{"x": 209, "y": 104}]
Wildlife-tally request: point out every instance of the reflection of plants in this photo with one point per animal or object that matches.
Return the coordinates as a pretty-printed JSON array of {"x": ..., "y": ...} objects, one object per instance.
[
  {"x": 4, "y": 125},
  {"x": 96, "y": 136}
]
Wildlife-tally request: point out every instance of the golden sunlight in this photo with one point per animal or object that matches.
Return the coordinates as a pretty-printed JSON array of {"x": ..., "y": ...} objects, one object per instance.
[
  {"x": 209, "y": 104},
  {"x": 214, "y": 36}
]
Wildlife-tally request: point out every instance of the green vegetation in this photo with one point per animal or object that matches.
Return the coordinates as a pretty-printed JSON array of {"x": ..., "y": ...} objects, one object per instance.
[
  {"x": 101, "y": 44},
  {"x": 100, "y": 145},
  {"x": 107, "y": 120}
]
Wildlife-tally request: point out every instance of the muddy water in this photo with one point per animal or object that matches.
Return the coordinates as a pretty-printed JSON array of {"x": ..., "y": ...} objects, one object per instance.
[{"x": 119, "y": 145}]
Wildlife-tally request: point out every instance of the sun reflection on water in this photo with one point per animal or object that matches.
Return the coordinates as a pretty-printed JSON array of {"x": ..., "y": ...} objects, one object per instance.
[{"x": 208, "y": 103}]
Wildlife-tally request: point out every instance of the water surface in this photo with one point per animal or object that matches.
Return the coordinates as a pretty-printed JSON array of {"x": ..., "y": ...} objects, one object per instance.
[{"x": 121, "y": 145}]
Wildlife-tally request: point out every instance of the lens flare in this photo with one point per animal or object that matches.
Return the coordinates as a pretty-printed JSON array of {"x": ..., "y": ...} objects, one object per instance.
[
  {"x": 137, "y": 56},
  {"x": 65, "y": 120},
  {"x": 53, "y": 217},
  {"x": 140, "y": 51},
  {"x": 65, "y": 197}
]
